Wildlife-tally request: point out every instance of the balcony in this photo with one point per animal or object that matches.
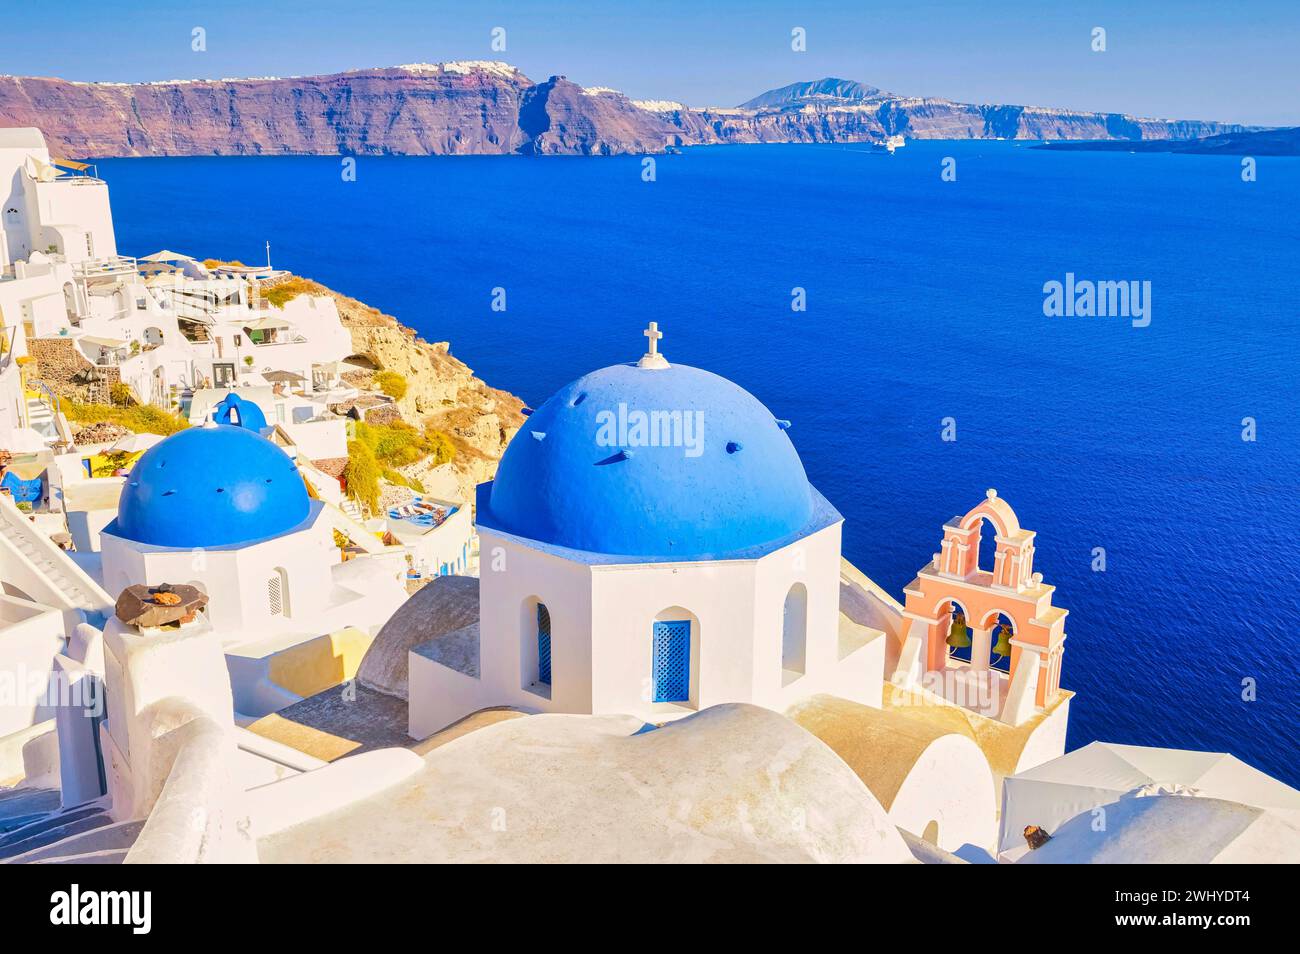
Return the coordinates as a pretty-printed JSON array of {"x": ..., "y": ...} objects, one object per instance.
[{"x": 112, "y": 267}]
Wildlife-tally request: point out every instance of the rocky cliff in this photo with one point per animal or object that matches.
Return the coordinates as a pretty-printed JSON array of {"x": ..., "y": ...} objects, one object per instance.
[
  {"x": 1268, "y": 142},
  {"x": 492, "y": 108},
  {"x": 442, "y": 393}
]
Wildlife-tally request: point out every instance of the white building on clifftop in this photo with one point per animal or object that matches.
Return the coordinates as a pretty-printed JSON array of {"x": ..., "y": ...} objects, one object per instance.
[{"x": 76, "y": 313}]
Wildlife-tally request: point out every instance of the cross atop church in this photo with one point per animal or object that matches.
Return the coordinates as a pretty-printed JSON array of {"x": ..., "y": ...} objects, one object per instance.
[
  {"x": 652, "y": 358},
  {"x": 654, "y": 334}
]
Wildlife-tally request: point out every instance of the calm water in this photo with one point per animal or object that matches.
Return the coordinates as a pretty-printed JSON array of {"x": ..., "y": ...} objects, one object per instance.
[{"x": 924, "y": 302}]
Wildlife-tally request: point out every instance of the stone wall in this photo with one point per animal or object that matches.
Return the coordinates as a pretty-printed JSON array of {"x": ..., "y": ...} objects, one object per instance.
[
  {"x": 57, "y": 363},
  {"x": 369, "y": 408},
  {"x": 382, "y": 414}
]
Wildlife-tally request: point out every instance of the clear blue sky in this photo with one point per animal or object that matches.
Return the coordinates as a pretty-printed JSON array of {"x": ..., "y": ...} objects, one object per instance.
[{"x": 1234, "y": 60}]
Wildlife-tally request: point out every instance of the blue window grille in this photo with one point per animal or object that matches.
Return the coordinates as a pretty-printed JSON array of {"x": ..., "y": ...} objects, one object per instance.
[
  {"x": 543, "y": 645},
  {"x": 672, "y": 660}
]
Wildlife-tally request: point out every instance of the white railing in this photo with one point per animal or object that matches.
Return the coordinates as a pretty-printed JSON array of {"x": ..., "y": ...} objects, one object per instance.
[
  {"x": 109, "y": 267},
  {"x": 66, "y": 586}
]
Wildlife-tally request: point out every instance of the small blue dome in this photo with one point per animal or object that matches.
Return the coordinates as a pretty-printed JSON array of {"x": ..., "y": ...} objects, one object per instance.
[
  {"x": 211, "y": 486},
  {"x": 232, "y": 409},
  {"x": 584, "y": 472}
]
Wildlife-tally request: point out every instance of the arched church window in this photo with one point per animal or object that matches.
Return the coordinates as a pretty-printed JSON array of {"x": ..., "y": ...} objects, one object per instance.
[
  {"x": 277, "y": 592},
  {"x": 12, "y": 215},
  {"x": 794, "y": 632},
  {"x": 672, "y": 660},
  {"x": 543, "y": 645}
]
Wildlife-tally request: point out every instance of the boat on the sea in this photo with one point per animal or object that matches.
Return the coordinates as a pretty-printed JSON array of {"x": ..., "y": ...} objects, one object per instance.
[{"x": 889, "y": 144}]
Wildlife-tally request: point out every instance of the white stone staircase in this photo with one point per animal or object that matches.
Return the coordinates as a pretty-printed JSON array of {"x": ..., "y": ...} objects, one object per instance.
[
  {"x": 22, "y": 806},
  {"x": 35, "y": 828},
  {"x": 67, "y": 586},
  {"x": 40, "y": 418},
  {"x": 350, "y": 522}
]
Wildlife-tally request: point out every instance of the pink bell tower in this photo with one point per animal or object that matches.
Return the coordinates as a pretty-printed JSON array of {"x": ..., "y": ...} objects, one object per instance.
[{"x": 954, "y": 581}]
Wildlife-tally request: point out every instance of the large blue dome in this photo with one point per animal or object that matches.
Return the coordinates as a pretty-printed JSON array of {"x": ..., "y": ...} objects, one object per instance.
[
  {"x": 583, "y": 473},
  {"x": 211, "y": 486}
]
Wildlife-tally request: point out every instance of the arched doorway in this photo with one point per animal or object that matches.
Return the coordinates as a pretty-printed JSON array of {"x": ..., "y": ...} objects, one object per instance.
[
  {"x": 794, "y": 634},
  {"x": 674, "y": 657},
  {"x": 158, "y": 388},
  {"x": 535, "y": 655}
]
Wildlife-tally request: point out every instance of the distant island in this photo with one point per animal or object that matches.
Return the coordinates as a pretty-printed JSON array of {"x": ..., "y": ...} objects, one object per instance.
[
  {"x": 1262, "y": 142},
  {"x": 484, "y": 107}
]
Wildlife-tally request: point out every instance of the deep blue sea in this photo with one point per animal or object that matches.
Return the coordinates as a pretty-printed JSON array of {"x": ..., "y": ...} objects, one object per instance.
[{"x": 924, "y": 301}]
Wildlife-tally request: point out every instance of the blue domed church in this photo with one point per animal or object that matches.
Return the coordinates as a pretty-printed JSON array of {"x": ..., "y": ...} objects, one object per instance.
[
  {"x": 650, "y": 545},
  {"x": 224, "y": 509}
]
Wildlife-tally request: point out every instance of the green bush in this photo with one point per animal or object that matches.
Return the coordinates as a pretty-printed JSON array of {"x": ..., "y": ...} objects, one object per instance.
[
  {"x": 281, "y": 293},
  {"x": 141, "y": 418},
  {"x": 394, "y": 445},
  {"x": 362, "y": 476},
  {"x": 401, "y": 480},
  {"x": 399, "y": 444},
  {"x": 392, "y": 384},
  {"x": 442, "y": 449},
  {"x": 120, "y": 393}
]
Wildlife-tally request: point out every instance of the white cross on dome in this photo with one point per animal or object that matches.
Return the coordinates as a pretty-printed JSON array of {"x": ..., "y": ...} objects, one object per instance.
[{"x": 652, "y": 358}]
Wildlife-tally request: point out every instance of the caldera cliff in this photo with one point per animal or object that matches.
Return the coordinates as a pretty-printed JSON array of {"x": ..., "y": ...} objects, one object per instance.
[{"x": 493, "y": 108}]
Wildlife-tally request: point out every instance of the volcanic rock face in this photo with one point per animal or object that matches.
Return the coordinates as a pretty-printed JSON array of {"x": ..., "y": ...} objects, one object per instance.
[
  {"x": 403, "y": 111},
  {"x": 492, "y": 108},
  {"x": 561, "y": 118},
  {"x": 442, "y": 393},
  {"x": 831, "y": 90},
  {"x": 1266, "y": 142}
]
